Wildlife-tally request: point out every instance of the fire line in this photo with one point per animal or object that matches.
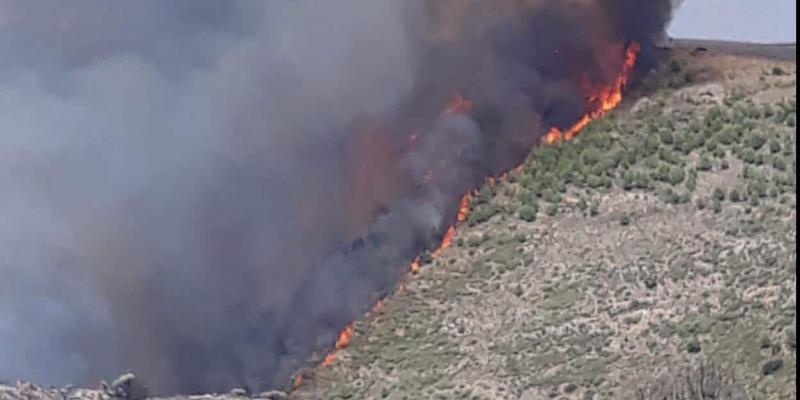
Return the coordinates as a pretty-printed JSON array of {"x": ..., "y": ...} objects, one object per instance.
[{"x": 604, "y": 98}]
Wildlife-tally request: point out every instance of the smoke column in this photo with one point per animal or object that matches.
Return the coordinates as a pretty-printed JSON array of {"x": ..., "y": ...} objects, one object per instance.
[{"x": 206, "y": 192}]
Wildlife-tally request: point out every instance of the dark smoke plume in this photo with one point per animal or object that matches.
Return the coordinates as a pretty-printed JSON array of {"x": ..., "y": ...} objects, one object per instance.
[{"x": 206, "y": 192}]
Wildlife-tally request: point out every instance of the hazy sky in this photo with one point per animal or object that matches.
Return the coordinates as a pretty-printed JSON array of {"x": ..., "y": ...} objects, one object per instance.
[{"x": 750, "y": 20}]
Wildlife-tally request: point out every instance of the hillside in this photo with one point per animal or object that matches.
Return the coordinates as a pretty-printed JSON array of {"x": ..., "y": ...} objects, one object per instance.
[{"x": 660, "y": 239}]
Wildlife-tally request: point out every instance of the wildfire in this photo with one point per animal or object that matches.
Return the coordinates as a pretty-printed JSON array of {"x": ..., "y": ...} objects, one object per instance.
[{"x": 604, "y": 98}]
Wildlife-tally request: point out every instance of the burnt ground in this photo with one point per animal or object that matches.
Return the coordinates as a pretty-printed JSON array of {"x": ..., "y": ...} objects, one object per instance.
[{"x": 661, "y": 238}]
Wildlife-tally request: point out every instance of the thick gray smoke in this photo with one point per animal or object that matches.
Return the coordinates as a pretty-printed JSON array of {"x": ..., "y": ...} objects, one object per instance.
[{"x": 206, "y": 192}]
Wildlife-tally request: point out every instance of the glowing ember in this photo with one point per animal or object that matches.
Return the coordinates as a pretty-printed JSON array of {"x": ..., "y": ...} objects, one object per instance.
[{"x": 604, "y": 98}]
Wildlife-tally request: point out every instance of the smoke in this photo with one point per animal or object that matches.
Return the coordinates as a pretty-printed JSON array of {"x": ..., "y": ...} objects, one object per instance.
[{"x": 206, "y": 192}]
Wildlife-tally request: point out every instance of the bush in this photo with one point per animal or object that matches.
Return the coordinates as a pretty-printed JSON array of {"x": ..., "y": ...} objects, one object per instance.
[
  {"x": 676, "y": 175},
  {"x": 774, "y": 147},
  {"x": 691, "y": 181},
  {"x": 726, "y": 136},
  {"x": 757, "y": 188},
  {"x": 716, "y": 206},
  {"x": 757, "y": 141},
  {"x": 651, "y": 144},
  {"x": 624, "y": 220},
  {"x": 779, "y": 164},
  {"x": 704, "y": 164},
  {"x": 670, "y": 197},
  {"x": 528, "y": 213},
  {"x": 666, "y": 137},
  {"x": 552, "y": 210},
  {"x": 749, "y": 156},
  {"x": 474, "y": 241},
  {"x": 734, "y": 196}
]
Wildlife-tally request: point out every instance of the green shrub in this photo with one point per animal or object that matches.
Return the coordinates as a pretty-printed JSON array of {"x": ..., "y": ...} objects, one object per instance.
[
  {"x": 652, "y": 144},
  {"x": 757, "y": 188},
  {"x": 749, "y": 156},
  {"x": 594, "y": 181},
  {"x": 691, "y": 181},
  {"x": 716, "y": 206},
  {"x": 774, "y": 146},
  {"x": 734, "y": 196},
  {"x": 552, "y": 210},
  {"x": 779, "y": 164},
  {"x": 666, "y": 137},
  {"x": 757, "y": 141},
  {"x": 624, "y": 220},
  {"x": 474, "y": 241},
  {"x": 676, "y": 175},
  {"x": 528, "y": 213},
  {"x": 726, "y": 136},
  {"x": 670, "y": 197},
  {"x": 628, "y": 180},
  {"x": 704, "y": 164}
]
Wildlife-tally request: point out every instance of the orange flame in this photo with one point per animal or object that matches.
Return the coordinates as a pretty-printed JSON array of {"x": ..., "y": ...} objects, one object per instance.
[
  {"x": 341, "y": 342},
  {"x": 606, "y": 98}
]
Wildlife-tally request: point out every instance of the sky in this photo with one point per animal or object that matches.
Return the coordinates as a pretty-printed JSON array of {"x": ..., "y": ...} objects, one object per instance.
[{"x": 766, "y": 21}]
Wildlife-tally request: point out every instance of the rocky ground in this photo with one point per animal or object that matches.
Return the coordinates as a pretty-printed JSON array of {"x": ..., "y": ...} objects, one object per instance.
[
  {"x": 654, "y": 254},
  {"x": 662, "y": 239}
]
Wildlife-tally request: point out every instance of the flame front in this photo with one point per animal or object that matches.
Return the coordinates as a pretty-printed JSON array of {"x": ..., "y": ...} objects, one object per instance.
[{"x": 604, "y": 98}]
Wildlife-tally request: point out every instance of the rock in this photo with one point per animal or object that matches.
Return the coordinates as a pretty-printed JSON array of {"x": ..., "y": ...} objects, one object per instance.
[
  {"x": 772, "y": 366},
  {"x": 126, "y": 386},
  {"x": 273, "y": 395},
  {"x": 238, "y": 392}
]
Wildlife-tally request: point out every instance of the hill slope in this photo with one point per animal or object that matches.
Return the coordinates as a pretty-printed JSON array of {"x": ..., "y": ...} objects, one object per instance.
[{"x": 663, "y": 235}]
